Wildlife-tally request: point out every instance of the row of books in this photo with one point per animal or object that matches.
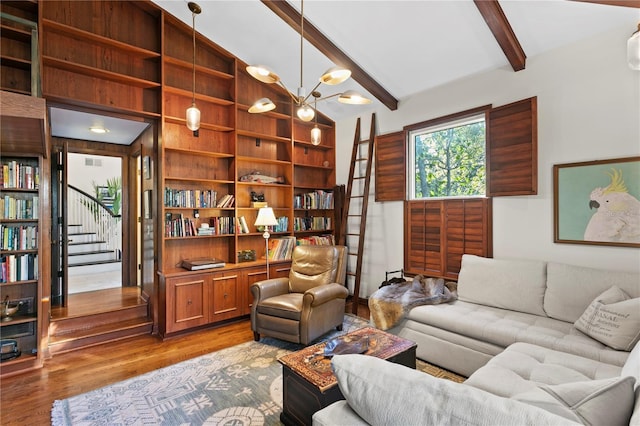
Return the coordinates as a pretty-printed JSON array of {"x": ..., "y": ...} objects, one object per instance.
[
  {"x": 20, "y": 267},
  {"x": 326, "y": 240},
  {"x": 191, "y": 198},
  {"x": 281, "y": 248},
  {"x": 18, "y": 175},
  {"x": 18, "y": 237},
  {"x": 318, "y": 199},
  {"x": 19, "y": 208},
  {"x": 176, "y": 225},
  {"x": 311, "y": 223}
]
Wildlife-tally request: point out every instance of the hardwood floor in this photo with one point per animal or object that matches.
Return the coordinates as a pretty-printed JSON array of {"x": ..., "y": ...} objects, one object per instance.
[{"x": 26, "y": 399}]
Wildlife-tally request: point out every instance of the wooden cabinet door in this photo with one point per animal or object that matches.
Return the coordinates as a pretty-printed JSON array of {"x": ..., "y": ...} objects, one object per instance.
[
  {"x": 225, "y": 295},
  {"x": 187, "y": 305},
  {"x": 251, "y": 276},
  {"x": 279, "y": 270}
]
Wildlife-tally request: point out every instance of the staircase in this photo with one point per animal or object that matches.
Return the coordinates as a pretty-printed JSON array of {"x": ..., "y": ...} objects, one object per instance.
[{"x": 90, "y": 255}]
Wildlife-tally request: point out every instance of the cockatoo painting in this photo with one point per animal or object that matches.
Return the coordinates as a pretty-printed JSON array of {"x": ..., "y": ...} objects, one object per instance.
[{"x": 617, "y": 213}]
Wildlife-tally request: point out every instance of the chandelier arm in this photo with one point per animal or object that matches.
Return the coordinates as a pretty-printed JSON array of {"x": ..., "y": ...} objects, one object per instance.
[
  {"x": 329, "y": 97},
  {"x": 293, "y": 97},
  {"x": 304, "y": 101}
]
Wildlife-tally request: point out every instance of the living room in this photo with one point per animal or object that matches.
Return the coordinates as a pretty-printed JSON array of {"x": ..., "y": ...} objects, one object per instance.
[{"x": 587, "y": 110}]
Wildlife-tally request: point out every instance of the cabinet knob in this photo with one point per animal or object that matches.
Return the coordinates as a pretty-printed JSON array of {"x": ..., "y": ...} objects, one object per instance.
[
  {"x": 225, "y": 295},
  {"x": 189, "y": 302}
]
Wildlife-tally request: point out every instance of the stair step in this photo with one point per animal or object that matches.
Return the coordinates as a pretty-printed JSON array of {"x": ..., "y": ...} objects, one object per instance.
[
  {"x": 100, "y": 262},
  {"x": 71, "y": 324},
  {"x": 85, "y": 247},
  {"x": 98, "y": 335},
  {"x": 97, "y": 256}
]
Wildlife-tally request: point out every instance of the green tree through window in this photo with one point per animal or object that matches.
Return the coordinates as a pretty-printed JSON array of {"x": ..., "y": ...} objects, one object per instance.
[{"x": 450, "y": 161}]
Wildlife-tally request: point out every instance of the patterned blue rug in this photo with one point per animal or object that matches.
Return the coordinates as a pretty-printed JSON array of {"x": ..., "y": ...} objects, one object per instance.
[{"x": 239, "y": 386}]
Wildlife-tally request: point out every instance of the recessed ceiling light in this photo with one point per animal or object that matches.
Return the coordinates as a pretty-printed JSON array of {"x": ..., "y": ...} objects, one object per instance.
[{"x": 99, "y": 129}]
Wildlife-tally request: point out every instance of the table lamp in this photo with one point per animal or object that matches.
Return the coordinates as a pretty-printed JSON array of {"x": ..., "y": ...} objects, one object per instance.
[{"x": 266, "y": 218}]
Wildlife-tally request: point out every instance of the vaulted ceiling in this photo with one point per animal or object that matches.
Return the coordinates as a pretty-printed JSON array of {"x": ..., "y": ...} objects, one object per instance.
[{"x": 396, "y": 49}]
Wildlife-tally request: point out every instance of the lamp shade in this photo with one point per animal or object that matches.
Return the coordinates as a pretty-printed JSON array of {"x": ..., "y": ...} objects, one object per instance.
[
  {"x": 335, "y": 75},
  {"x": 193, "y": 117},
  {"x": 316, "y": 135},
  {"x": 305, "y": 113},
  {"x": 263, "y": 74},
  {"x": 262, "y": 105},
  {"x": 633, "y": 50},
  {"x": 353, "y": 98},
  {"x": 266, "y": 217}
]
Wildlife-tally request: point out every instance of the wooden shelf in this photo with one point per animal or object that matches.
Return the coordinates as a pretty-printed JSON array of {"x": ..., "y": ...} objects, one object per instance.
[
  {"x": 197, "y": 180},
  {"x": 199, "y": 69},
  {"x": 15, "y": 33},
  {"x": 273, "y": 185},
  {"x": 14, "y": 62},
  {"x": 273, "y": 114},
  {"x": 25, "y": 282},
  {"x": 98, "y": 39},
  {"x": 202, "y": 153},
  {"x": 203, "y": 125},
  {"x": 309, "y": 145},
  {"x": 263, "y": 161},
  {"x": 257, "y": 135},
  {"x": 313, "y": 166},
  {"x": 201, "y": 97}
]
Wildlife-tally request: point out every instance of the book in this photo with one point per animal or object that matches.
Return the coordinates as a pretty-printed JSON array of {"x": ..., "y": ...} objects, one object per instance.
[{"x": 202, "y": 263}]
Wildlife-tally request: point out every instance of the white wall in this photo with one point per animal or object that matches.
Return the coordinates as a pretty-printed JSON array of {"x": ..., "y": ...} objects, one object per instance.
[
  {"x": 83, "y": 177},
  {"x": 588, "y": 109}
]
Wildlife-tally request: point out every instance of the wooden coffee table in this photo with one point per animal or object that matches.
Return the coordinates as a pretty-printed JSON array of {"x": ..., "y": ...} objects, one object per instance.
[{"x": 309, "y": 383}]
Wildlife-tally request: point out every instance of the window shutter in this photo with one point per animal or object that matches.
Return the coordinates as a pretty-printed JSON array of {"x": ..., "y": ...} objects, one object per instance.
[
  {"x": 390, "y": 170},
  {"x": 512, "y": 149}
]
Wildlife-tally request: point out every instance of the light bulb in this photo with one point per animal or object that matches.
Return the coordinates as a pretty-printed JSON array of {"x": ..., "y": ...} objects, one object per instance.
[
  {"x": 193, "y": 117},
  {"x": 305, "y": 113},
  {"x": 315, "y": 135}
]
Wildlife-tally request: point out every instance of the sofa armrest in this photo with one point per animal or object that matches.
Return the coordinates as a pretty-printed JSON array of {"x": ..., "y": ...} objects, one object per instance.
[
  {"x": 322, "y": 294},
  {"x": 269, "y": 288}
]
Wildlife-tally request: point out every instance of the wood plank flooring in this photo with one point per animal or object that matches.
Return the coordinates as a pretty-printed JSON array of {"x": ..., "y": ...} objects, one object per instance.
[{"x": 26, "y": 399}]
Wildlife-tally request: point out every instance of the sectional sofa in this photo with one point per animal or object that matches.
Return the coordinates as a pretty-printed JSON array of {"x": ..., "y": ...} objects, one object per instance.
[{"x": 548, "y": 341}]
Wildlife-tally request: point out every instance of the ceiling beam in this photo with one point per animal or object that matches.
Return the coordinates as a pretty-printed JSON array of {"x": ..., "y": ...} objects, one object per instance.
[
  {"x": 502, "y": 31},
  {"x": 623, "y": 3},
  {"x": 292, "y": 17}
]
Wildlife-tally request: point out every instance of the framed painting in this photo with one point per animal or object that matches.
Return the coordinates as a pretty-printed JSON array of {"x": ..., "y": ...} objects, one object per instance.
[{"x": 597, "y": 202}]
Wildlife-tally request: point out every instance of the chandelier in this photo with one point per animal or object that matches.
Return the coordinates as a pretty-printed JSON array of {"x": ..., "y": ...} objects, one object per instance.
[{"x": 301, "y": 98}]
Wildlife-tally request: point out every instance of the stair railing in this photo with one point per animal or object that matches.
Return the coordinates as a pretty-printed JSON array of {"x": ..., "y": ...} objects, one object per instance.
[{"x": 95, "y": 217}]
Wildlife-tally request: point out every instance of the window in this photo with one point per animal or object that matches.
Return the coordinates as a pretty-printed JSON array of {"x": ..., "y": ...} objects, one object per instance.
[{"x": 447, "y": 159}]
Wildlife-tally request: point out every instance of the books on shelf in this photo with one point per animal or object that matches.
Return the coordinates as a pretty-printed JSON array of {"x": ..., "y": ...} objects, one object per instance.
[
  {"x": 318, "y": 199},
  {"x": 326, "y": 240},
  {"x": 18, "y": 175},
  {"x": 311, "y": 223},
  {"x": 190, "y": 198},
  {"x": 18, "y": 267},
  {"x": 202, "y": 263},
  {"x": 243, "y": 228},
  {"x": 281, "y": 248},
  {"x": 226, "y": 201}
]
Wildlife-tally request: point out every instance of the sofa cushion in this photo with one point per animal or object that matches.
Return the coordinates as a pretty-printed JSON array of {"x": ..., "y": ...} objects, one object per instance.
[
  {"x": 503, "y": 327},
  {"x": 593, "y": 402},
  {"x": 632, "y": 368},
  {"x": 523, "y": 367},
  {"x": 518, "y": 285},
  {"x": 613, "y": 318},
  {"x": 418, "y": 398},
  {"x": 570, "y": 289}
]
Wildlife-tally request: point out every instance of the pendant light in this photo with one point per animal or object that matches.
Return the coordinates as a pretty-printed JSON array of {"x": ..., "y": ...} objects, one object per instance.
[
  {"x": 304, "y": 111},
  {"x": 193, "y": 113},
  {"x": 316, "y": 134},
  {"x": 633, "y": 50}
]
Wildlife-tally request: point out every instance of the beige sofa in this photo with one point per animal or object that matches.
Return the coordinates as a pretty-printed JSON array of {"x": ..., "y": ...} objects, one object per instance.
[{"x": 512, "y": 333}]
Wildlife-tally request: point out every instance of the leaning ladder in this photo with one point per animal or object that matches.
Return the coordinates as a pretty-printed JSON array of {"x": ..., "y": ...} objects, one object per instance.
[{"x": 354, "y": 215}]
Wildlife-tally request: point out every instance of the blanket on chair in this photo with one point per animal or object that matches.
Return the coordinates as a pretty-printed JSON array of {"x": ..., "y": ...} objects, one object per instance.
[{"x": 389, "y": 304}]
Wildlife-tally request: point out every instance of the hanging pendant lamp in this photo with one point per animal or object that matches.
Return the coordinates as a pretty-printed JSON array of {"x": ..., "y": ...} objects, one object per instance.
[{"x": 193, "y": 113}]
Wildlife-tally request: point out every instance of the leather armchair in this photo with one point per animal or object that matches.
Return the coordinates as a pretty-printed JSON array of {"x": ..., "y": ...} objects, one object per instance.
[{"x": 307, "y": 304}]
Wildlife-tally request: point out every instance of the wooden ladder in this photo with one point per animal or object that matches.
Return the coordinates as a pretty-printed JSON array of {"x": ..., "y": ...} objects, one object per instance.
[{"x": 355, "y": 216}]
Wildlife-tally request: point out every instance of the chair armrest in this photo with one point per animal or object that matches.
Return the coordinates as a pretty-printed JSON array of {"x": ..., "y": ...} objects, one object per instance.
[
  {"x": 269, "y": 288},
  {"x": 324, "y": 293}
]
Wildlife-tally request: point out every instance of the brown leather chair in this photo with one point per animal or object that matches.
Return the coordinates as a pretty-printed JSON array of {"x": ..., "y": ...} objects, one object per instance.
[{"x": 307, "y": 304}]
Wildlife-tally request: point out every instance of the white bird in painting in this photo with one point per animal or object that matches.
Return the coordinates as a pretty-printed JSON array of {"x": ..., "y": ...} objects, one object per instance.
[{"x": 617, "y": 218}]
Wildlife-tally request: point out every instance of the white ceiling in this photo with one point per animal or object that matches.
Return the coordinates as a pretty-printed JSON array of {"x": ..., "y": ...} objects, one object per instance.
[{"x": 406, "y": 46}]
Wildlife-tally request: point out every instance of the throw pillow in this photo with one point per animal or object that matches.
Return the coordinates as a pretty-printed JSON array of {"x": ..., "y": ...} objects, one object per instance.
[
  {"x": 613, "y": 318},
  {"x": 384, "y": 393},
  {"x": 592, "y": 402}
]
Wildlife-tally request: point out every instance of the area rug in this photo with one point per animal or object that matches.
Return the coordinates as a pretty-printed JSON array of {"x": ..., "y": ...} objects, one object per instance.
[{"x": 240, "y": 386}]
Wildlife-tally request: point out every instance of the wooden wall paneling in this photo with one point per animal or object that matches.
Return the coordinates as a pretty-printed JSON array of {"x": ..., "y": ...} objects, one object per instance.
[{"x": 390, "y": 166}]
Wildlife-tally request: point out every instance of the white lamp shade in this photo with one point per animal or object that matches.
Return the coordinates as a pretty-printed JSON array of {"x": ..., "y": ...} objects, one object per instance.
[
  {"x": 193, "y": 117},
  {"x": 353, "y": 98},
  {"x": 262, "y": 105},
  {"x": 263, "y": 74},
  {"x": 305, "y": 113},
  {"x": 316, "y": 135},
  {"x": 266, "y": 217},
  {"x": 335, "y": 75},
  {"x": 633, "y": 51}
]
